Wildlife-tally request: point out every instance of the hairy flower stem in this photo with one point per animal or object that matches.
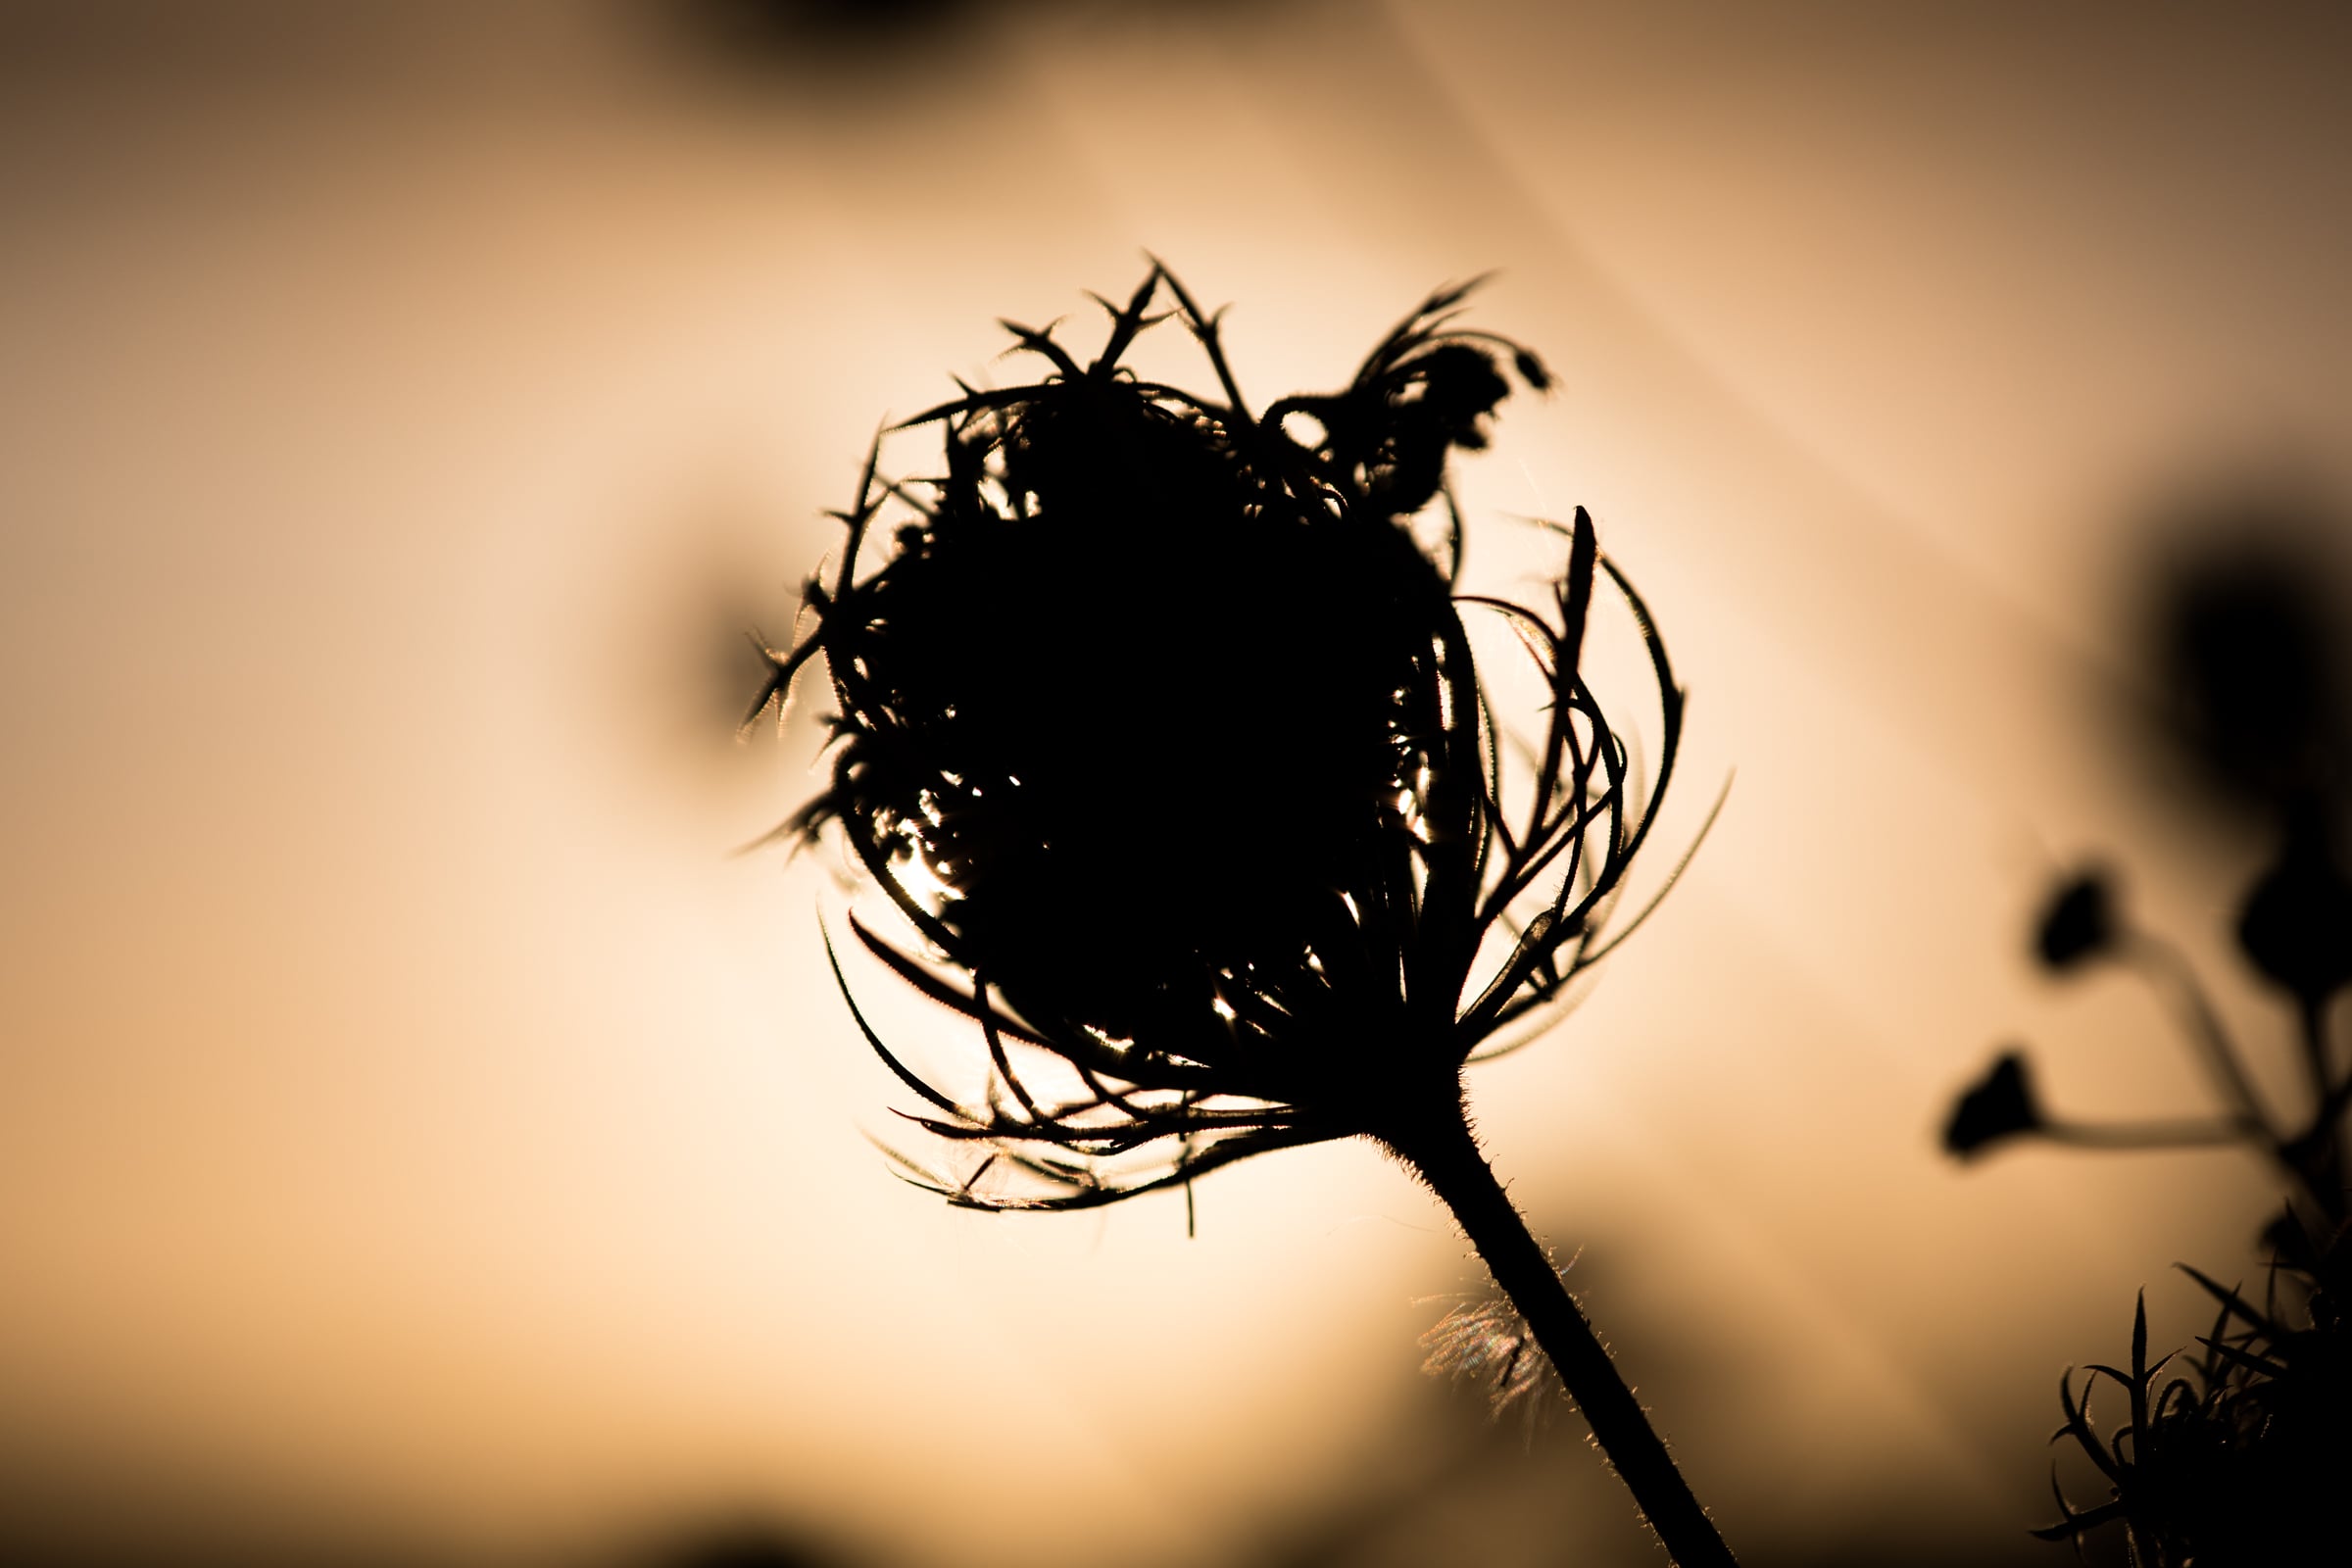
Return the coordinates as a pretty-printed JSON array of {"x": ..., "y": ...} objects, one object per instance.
[{"x": 1441, "y": 1149}]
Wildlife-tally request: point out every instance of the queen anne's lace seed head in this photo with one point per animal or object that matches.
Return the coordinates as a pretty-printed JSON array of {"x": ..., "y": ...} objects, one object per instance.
[{"x": 1162, "y": 731}]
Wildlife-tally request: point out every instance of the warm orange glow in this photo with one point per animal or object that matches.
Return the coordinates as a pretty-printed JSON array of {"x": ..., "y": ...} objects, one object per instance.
[{"x": 418, "y": 1124}]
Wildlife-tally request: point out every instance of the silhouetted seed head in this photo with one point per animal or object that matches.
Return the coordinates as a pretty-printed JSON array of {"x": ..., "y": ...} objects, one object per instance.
[
  {"x": 2000, "y": 1105},
  {"x": 1164, "y": 731},
  {"x": 2297, "y": 924},
  {"x": 2078, "y": 923}
]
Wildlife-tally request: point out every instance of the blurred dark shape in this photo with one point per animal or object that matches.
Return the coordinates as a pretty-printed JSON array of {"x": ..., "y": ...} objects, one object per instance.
[
  {"x": 2079, "y": 925},
  {"x": 760, "y": 40},
  {"x": 2249, "y": 638},
  {"x": 748, "y": 1542},
  {"x": 2297, "y": 924},
  {"x": 766, "y": 48},
  {"x": 2001, "y": 1105},
  {"x": 775, "y": 31}
]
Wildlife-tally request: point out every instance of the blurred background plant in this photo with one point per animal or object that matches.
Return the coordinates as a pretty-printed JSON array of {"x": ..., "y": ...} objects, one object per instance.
[{"x": 2235, "y": 1454}]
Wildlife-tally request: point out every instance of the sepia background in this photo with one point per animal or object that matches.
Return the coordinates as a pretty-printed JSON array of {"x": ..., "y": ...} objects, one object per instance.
[{"x": 424, "y": 1139}]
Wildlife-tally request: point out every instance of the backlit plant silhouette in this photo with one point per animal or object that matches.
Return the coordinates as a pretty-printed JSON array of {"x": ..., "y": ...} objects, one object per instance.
[
  {"x": 2240, "y": 1454},
  {"x": 1162, "y": 732}
]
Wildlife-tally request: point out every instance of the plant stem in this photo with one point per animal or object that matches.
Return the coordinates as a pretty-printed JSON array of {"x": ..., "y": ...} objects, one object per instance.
[
  {"x": 2321, "y": 1149},
  {"x": 1442, "y": 1152},
  {"x": 2151, "y": 1134},
  {"x": 2316, "y": 1065},
  {"x": 2169, "y": 971}
]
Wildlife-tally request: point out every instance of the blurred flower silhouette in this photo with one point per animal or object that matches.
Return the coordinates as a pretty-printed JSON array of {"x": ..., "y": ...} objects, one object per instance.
[
  {"x": 2296, "y": 927},
  {"x": 2079, "y": 923},
  {"x": 1161, "y": 729},
  {"x": 2251, "y": 659},
  {"x": 2001, "y": 1105}
]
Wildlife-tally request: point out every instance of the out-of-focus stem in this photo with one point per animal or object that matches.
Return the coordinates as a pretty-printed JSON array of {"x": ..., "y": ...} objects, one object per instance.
[
  {"x": 2315, "y": 1049},
  {"x": 1443, "y": 1153},
  {"x": 2171, "y": 971},
  {"x": 2321, "y": 1149},
  {"x": 2149, "y": 1134}
]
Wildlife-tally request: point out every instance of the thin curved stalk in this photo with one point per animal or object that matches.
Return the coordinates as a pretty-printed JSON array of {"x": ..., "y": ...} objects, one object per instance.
[
  {"x": 2321, "y": 1151},
  {"x": 2178, "y": 1134},
  {"x": 1442, "y": 1150},
  {"x": 2169, "y": 972}
]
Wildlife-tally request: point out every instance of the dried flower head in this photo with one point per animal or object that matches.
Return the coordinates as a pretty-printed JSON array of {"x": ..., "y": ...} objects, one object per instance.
[{"x": 1162, "y": 730}]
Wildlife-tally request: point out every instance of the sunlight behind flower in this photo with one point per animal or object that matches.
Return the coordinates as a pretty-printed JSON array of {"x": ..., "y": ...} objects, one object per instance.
[{"x": 422, "y": 1127}]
